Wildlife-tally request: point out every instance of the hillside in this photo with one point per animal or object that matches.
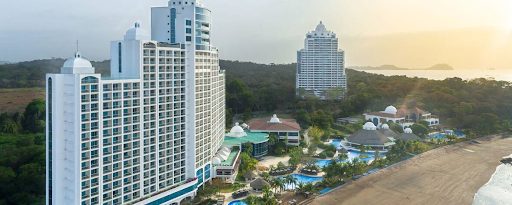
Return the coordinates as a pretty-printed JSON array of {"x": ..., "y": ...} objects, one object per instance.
[
  {"x": 480, "y": 104},
  {"x": 31, "y": 73}
]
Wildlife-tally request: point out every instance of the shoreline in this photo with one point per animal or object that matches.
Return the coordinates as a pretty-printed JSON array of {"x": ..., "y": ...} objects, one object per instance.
[
  {"x": 438, "y": 176},
  {"x": 497, "y": 190}
]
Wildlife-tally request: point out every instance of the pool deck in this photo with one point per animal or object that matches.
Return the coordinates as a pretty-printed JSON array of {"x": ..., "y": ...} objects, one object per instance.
[
  {"x": 271, "y": 160},
  {"x": 448, "y": 175}
]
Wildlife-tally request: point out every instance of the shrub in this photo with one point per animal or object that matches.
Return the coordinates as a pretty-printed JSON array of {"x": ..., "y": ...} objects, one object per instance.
[
  {"x": 322, "y": 155},
  {"x": 329, "y": 153}
]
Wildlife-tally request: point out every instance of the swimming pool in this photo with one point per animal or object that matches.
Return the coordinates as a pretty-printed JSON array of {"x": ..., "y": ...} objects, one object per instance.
[
  {"x": 441, "y": 135},
  {"x": 237, "y": 202},
  {"x": 302, "y": 179},
  {"x": 322, "y": 162},
  {"x": 324, "y": 191},
  {"x": 336, "y": 143}
]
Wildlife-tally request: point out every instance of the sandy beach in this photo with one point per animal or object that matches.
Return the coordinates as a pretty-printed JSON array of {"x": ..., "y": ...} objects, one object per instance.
[{"x": 447, "y": 175}]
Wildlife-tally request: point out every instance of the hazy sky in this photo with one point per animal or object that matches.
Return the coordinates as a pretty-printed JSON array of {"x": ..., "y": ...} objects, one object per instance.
[{"x": 416, "y": 33}]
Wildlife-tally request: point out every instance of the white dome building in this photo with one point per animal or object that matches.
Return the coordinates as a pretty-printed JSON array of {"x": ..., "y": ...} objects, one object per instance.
[
  {"x": 391, "y": 110},
  {"x": 274, "y": 119},
  {"x": 237, "y": 131},
  {"x": 369, "y": 126},
  {"x": 390, "y": 114},
  {"x": 408, "y": 130},
  {"x": 77, "y": 65}
]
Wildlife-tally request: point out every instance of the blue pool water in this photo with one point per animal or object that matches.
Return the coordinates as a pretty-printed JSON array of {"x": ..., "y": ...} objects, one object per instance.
[
  {"x": 322, "y": 162},
  {"x": 440, "y": 135},
  {"x": 352, "y": 154},
  {"x": 323, "y": 191},
  {"x": 336, "y": 143},
  {"x": 237, "y": 202},
  {"x": 302, "y": 179}
]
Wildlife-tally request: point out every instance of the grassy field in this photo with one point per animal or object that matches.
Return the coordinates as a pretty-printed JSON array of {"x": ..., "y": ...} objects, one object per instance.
[{"x": 15, "y": 100}]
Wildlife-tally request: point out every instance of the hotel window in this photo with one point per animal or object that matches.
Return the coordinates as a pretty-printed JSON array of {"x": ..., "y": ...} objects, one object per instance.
[{"x": 119, "y": 57}]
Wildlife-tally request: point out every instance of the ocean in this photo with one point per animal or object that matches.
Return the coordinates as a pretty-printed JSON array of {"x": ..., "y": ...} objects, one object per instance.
[{"x": 497, "y": 74}]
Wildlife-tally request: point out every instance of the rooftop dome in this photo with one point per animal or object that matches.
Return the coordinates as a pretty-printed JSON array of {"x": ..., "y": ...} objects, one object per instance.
[
  {"x": 136, "y": 33},
  {"x": 391, "y": 110},
  {"x": 408, "y": 130},
  {"x": 274, "y": 119},
  {"x": 369, "y": 126},
  {"x": 216, "y": 160},
  {"x": 321, "y": 27},
  {"x": 237, "y": 131},
  {"x": 385, "y": 126},
  {"x": 77, "y": 62}
]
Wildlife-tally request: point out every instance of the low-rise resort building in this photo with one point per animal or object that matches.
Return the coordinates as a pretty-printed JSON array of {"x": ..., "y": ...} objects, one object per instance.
[
  {"x": 227, "y": 159},
  {"x": 404, "y": 116},
  {"x": 285, "y": 129},
  {"x": 370, "y": 137},
  {"x": 378, "y": 139}
]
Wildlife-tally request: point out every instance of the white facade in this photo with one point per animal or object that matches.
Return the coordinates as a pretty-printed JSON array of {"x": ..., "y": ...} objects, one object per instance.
[
  {"x": 145, "y": 135},
  {"x": 188, "y": 22},
  {"x": 321, "y": 66},
  {"x": 401, "y": 117}
]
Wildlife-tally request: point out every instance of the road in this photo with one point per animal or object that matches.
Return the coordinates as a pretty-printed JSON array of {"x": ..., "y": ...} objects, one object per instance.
[{"x": 447, "y": 175}]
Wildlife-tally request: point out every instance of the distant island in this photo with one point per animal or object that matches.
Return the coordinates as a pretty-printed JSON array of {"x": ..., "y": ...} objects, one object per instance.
[
  {"x": 4, "y": 62},
  {"x": 393, "y": 67}
]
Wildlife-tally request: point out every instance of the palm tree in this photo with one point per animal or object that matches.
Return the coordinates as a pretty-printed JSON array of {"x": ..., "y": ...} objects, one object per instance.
[
  {"x": 300, "y": 188},
  {"x": 377, "y": 155},
  {"x": 290, "y": 180},
  {"x": 267, "y": 193},
  {"x": 252, "y": 200},
  {"x": 273, "y": 184},
  {"x": 280, "y": 184},
  {"x": 342, "y": 156}
]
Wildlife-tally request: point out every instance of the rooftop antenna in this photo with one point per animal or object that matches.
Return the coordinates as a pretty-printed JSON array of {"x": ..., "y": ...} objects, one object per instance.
[{"x": 77, "y": 54}]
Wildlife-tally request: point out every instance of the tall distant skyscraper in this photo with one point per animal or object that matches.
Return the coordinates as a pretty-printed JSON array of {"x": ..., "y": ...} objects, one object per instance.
[
  {"x": 321, "y": 66},
  {"x": 146, "y": 134}
]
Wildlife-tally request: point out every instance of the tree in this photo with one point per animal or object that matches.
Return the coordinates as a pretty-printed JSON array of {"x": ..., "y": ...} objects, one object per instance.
[
  {"x": 272, "y": 139},
  {"x": 315, "y": 133},
  {"x": 247, "y": 148},
  {"x": 247, "y": 115},
  {"x": 239, "y": 98},
  {"x": 289, "y": 179},
  {"x": 9, "y": 126},
  {"x": 342, "y": 156},
  {"x": 34, "y": 116},
  {"x": 395, "y": 127},
  {"x": 312, "y": 149},
  {"x": 296, "y": 155},
  {"x": 247, "y": 163},
  {"x": 419, "y": 129},
  {"x": 303, "y": 118}
]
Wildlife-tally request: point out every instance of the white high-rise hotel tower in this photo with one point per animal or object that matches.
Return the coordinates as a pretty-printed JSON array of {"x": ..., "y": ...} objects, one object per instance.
[
  {"x": 321, "y": 66},
  {"x": 146, "y": 134}
]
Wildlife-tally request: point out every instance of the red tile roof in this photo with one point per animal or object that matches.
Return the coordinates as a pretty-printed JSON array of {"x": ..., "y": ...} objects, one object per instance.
[
  {"x": 263, "y": 124},
  {"x": 383, "y": 114}
]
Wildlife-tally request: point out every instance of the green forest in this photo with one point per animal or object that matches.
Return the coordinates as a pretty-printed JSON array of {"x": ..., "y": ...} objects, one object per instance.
[{"x": 480, "y": 106}]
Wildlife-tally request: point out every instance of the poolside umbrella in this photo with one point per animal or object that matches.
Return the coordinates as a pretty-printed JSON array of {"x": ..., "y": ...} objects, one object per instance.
[{"x": 258, "y": 184}]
